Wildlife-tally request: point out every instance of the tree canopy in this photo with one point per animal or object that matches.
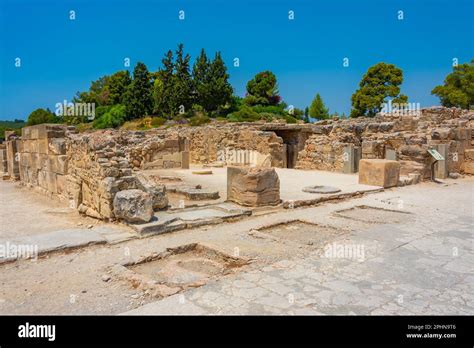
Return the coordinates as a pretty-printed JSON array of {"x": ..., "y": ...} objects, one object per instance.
[
  {"x": 458, "y": 88},
  {"x": 41, "y": 116},
  {"x": 317, "y": 109},
  {"x": 138, "y": 97},
  {"x": 379, "y": 82},
  {"x": 262, "y": 90}
]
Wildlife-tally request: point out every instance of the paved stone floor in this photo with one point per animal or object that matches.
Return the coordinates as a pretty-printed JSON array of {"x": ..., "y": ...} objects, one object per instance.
[
  {"x": 423, "y": 265},
  {"x": 413, "y": 257},
  {"x": 292, "y": 181}
]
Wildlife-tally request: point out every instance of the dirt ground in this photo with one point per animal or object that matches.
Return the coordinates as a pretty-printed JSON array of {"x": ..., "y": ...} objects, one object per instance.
[{"x": 25, "y": 212}]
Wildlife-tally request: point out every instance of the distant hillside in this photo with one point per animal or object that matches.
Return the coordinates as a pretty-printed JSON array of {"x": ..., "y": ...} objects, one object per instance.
[{"x": 11, "y": 125}]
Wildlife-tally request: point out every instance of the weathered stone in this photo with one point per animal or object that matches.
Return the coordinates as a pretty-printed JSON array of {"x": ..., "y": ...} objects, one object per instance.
[
  {"x": 468, "y": 167},
  {"x": 379, "y": 172},
  {"x": 133, "y": 206},
  {"x": 156, "y": 191},
  {"x": 253, "y": 186}
]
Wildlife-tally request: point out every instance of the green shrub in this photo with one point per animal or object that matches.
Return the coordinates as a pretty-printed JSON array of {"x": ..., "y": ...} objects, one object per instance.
[
  {"x": 271, "y": 109},
  {"x": 115, "y": 117},
  {"x": 199, "y": 120},
  {"x": 267, "y": 116},
  {"x": 290, "y": 119},
  {"x": 42, "y": 116},
  {"x": 157, "y": 121},
  {"x": 245, "y": 114}
]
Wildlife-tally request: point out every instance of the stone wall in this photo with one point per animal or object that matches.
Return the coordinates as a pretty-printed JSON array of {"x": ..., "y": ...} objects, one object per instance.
[
  {"x": 408, "y": 136},
  {"x": 211, "y": 143},
  {"x": 97, "y": 169},
  {"x": 88, "y": 169}
]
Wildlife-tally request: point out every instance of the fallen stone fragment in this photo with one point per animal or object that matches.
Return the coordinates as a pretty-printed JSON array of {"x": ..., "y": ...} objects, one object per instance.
[
  {"x": 321, "y": 189},
  {"x": 133, "y": 206}
]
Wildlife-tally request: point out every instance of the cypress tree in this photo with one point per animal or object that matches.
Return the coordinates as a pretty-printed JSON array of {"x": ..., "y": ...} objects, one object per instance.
[{"x": 138, "y": 98}]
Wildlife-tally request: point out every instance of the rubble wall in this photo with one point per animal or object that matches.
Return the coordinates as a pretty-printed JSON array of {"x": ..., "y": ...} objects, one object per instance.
[{"x": 409, "y": 136}]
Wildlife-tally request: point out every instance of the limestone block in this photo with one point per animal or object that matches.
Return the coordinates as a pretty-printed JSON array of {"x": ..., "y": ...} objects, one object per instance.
[
  {"x": 51, "y": 182},
  {"x": 45, "y": 130},
  {"x": 133, "y": 206},
  {"x": 185, "y": 160},
  {"x": 253, "y": 186},
  {"x": 56, "y": 146},
  {"x": 469, "y": 154},
  {"x": 60, "y": 183},
  {"x": 42, "y": 145},
  {"x": 468, "y": 167},
  {"x": 379, "y": 172},
  {"x": 413, "y": 167},
  {"x": 26, "y": 133},
  {"x": 61, "y": 164}
]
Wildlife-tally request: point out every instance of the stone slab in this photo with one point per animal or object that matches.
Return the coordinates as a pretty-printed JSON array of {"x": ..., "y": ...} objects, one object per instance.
[{"x": 178, "y": 219}]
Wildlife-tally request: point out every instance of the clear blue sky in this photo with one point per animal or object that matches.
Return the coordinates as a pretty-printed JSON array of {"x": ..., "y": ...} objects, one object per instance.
[{"x": 60, "y": 57}]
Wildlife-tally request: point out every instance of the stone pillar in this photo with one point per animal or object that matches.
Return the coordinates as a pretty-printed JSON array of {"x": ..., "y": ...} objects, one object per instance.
[
  {"x": 13, "y": 159},
  {"x": 357, "y": 157},
  {"x": 351, "y": 157},
  {"x": 3, "y": 160},
  {"x": 185, "y": 160},
  {"x": 441, "y": 167},
  {"x": 391, "y": 155}
]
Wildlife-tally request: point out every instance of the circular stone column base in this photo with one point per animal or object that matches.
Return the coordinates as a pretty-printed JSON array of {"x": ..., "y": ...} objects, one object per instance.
[{"x": 321, "y": 189}]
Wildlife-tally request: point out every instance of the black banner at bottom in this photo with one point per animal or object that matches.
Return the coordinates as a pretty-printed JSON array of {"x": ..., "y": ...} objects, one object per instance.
[{"x": 225, "y": 330}]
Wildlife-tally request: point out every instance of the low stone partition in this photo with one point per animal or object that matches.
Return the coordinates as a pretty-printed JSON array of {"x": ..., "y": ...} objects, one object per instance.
[
  {"x": 379, "y": 172},
  {"x": 253, "y": 187},
  {"x": 99, "y": 168}
]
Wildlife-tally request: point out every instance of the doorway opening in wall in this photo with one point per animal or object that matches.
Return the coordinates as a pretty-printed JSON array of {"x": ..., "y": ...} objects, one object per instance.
[{"x": 291, "y": 141}]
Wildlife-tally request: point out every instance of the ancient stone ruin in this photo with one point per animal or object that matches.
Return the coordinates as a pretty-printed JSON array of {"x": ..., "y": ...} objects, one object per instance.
[{"x": 100, "y": 173}]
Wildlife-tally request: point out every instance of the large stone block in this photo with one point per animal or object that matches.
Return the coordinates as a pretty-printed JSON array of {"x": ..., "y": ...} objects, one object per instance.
[
  {"x": 253, "y": 186},
  {"x": 379, "y": 172},
  {"x": 45, "y": 130},
  {"x": 133, "y": 206},
  {"x": 56, "y": 146}
]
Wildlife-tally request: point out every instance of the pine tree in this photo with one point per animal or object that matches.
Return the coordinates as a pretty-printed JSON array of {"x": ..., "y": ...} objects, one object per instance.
[
  {"x": 163, "y": 88},
  {"x": 182, "y": 86},
  {"x": 201, "y": 81},
  {"x": 138, "y": 98},
  {"x": 379, "y": 82},
  {"x": 318, "y": 109},
  {"x": 117, "y": 86},
  {"x": 221, "y": 90}
]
